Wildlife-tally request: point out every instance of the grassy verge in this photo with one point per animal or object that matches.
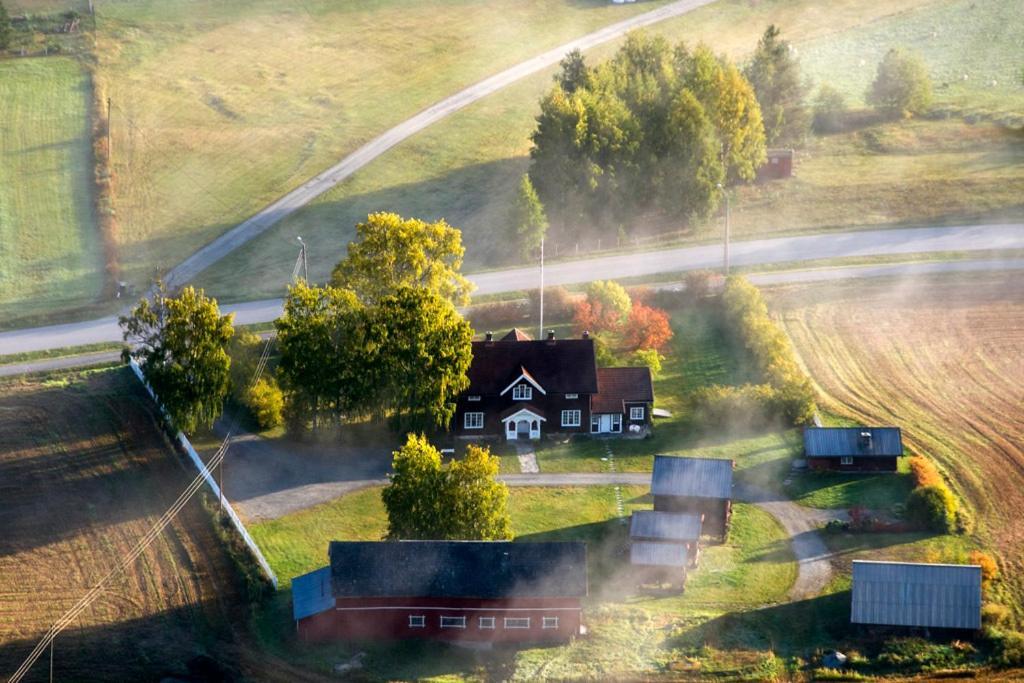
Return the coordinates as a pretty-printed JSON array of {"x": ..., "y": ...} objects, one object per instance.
[
  {"x": 66, "y": 352},
  {"x": 51, "y": 254}
]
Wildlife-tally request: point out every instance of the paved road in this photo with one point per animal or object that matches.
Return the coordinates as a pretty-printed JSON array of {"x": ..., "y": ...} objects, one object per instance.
[
  {"x": 301, "y": 196},
  {"x": 748, "y": 253}
]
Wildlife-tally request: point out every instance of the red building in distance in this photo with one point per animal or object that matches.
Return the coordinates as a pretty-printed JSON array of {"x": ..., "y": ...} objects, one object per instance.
[{"x": 472, "y": 591}]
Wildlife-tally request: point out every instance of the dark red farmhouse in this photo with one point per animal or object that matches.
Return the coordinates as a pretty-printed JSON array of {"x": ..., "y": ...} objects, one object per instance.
[
  {"x": 853, "y": 449},
  {"x": 480, "y": 591}
]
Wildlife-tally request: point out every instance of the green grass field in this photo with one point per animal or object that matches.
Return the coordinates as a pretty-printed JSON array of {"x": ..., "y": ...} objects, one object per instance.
[
  {"x": 465, "y": 168},
  {"x": 51, "y": 255}
]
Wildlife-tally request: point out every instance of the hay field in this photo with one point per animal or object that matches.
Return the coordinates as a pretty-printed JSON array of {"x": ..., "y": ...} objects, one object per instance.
[
  {"x": 51, "y": 254},
  {"x": 83, "y": 475},
  {"x": 943, "y": 359}
]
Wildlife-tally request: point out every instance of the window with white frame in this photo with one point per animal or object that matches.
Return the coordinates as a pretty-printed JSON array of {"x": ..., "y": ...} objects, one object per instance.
[
  {"x": 517, "y": 622},
  {"x": 522, "y": 392},
  {"x": 453, "y": 622},
  {"x": 595, "y": 423},
  {"x": 486, "y": 622},
  {"x": 571, "y": 396},
  {"x": 846, "y": 460},
  {"x": 417, "y": 621},
  {"x": 617, "y": 422},
  {"x": 472, "y": 398},
  {"x": 570, "y": 418},
  {"x": 550, "y": 622},
  {"x": 473, "y": 421},
  {"x": 636, "y": 413}
]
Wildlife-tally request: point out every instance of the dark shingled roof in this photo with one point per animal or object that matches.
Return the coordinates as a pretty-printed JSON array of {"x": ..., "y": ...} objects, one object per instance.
[
  {"x": 658, "y": 554},
  {"x": 615, "y": 386},
  {"x": 666, "y": 526},
  {"x": 911, "y": 594},
  {"x": 516, "y": 407},
  {"x": 458, "y": 569},
  {"x": 561, "y": 365},
  {"x": 516, "y": 334},
  {"x": 836, "y": 442},
  {"x": 691, "y": 477}
]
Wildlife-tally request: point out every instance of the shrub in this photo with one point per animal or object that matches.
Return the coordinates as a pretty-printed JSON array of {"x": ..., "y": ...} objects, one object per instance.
[
  {"x": 751, "y": 406},
  {"x": 989, "y": 567},
  {"x": 266, "y": 402},
  {"x": 559, "y": 303},
  {"x": 603, "y": 352},
  {"x": 932, "y": 507},
  {"x": 1008, "y": 648},
  {"x": 647, "y": 358},
  {"x": 909, "y": 655},
  {"x": 498, "y": 315},
  {"x": 924, "y": 471},
  {"x": 698, "y": 284},
  {"x": 829, "y": 111},
  {"x": 647, "y": 328},
  {"x": 995, "y": 615},
  {"x": 902, "y": 86},
  {"x": 605, "y": 309}
]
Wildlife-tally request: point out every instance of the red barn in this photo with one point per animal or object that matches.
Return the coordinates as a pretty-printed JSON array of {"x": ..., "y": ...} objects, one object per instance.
[
  {"x": 472, "y": 591},
  {"x": 777, "y": 165}
]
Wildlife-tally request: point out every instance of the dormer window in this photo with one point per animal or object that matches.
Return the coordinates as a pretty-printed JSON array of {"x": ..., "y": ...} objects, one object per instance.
[
  {"x": 522, "y": 392},
  {"x": 472, "y": 398}
]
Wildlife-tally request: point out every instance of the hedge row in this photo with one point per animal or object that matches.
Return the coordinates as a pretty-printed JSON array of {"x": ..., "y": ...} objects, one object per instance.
[{"x": 746, "y": 316}]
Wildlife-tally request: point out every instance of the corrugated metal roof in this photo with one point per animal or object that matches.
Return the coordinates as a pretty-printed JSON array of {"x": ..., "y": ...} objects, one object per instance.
[
  {"x": 909, "y": 594},
  {"x": 836, "y": 442},
  {"x": 466, "y": 569},
  {"x": 691, "y": 477},
  {"x": 669, "y": 526},
  {"x": 658, "y": 554},
  {"x": 311, "y": 593}
]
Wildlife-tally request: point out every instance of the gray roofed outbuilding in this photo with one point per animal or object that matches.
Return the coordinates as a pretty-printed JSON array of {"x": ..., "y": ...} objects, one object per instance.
[
  {"x": 692, "y": 477},
  {"x": 838, "y": 442},
  {"x": 464, "y": 569},
  {"x": 654, "y": 554},
  {"x": 921, "y": 595},
  {"x": 665, "y": 526}
]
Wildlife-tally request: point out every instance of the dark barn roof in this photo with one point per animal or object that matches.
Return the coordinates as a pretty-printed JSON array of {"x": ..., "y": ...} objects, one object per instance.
[
  {"x": 560, "y": 365},
  {"x": 837, "y": 442},
  {"x": 667, "y": 526},
  {"x": 691, "y": 477},
  {"x": 922, "y": 595},
  {"x": 616, "y": 386},
  {"x": 658, "y": 554},
  {"x": 458, "y": 569}
]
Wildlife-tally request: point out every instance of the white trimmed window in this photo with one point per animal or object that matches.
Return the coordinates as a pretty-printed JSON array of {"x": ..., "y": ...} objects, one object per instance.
[
  {"x": 472, "y": 398},
  {"x": 550, "y": 622},
  {"x": 486, "y": 622},
  {"x": 417, "y": 621},
  {"x": 571, "y": 396},
  {"x": 473, "y": 421},
  {"x": 453, "y": 622},
  {"x": 595, "y": 423},
  {"x": 636, "y": 413},
  {"x": 617, "y": 422},
  {"x": 846, "y": 460},
  {"x": 517, "y": 622},
  {"x": 570, "y": 418},
  {"x": 522, "y": 392}
]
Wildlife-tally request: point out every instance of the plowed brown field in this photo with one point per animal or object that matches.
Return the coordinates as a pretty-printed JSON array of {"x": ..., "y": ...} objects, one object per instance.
[
  {"x": 943, "y": 359},
  {"x": 83, "y": 475}
]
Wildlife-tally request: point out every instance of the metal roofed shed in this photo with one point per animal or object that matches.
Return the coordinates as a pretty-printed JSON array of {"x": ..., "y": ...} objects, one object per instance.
[
  {"x": 855, "y": 449},
  {"x": 698, "y": 486},
  {"x": 664, "y": 526},
  {"x": 916, "y": 595},
  {"x": 652, "y": 554}
]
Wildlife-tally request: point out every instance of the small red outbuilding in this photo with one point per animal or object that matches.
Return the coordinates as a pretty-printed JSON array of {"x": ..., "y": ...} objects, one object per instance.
[{"x": 481, "y": 591}]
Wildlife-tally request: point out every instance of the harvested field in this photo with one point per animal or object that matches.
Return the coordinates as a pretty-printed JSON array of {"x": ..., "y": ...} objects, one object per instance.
[
  {"x": 84, "y": 473},
  {"x": 944, "y": 359}
]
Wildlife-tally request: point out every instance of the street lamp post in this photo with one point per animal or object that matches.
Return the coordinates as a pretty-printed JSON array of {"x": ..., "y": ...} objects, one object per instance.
[
  {"x": 725, "y": 254},
  {"x": 305, "y": 262}
]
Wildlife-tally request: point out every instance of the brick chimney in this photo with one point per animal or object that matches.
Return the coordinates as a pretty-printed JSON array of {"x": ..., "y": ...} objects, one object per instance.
[
  {"x": 489, "y": 336},
  {"x": 551, "y": 336},
  {"x": 586, "y": 334}
]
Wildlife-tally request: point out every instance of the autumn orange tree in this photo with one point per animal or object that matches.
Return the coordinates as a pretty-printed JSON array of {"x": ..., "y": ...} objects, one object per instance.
[{"x": 647, "y": 328}]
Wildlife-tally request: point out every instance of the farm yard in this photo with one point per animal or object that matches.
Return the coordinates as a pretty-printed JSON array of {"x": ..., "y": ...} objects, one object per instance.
[
  {"x": 945, "y": 358},
  {"x": 84, "y": 473},
  {"x": 48, "y": 231}
]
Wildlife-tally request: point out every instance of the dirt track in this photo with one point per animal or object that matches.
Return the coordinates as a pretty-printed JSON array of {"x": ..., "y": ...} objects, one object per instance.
[{"x": 943, "y": 359}]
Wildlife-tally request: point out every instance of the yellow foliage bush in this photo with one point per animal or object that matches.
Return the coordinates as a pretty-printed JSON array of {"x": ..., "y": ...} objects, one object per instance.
[{"x": 924, "y": 471}]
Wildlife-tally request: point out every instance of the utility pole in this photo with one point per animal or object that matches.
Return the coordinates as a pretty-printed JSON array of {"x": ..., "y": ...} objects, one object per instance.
[
  {"x": 110, "y": 150},
  {"x": 540, "y": 335},
  {"x": 51, "y": 657},
  {"x": 305, "y": 261},
  {"x": 725, "y": 254}
]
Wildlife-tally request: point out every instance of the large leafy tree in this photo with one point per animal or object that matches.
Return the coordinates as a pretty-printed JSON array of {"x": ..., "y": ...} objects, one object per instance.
[
  {"x": 574, "y": 73},
  {"x": 605, "y": 309},
  {"x": 461, "y": 500},
  {"x": 902, "y": 86},
  {"x": 6, "y": 30},
  {"x": 181, "y": 343},
  {"x": 392, "y": 252},
  {"x": 423, "y": 349},
  {"x": 774, "y": 73},
  {"x": 529, "y": 219}
]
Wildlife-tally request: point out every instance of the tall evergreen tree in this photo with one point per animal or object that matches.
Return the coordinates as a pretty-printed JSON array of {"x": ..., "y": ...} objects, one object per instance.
[
  {"x": 528, "y": 217},
  {"x": 574, "y": 74},
  {"x": 774, "y": 73}
]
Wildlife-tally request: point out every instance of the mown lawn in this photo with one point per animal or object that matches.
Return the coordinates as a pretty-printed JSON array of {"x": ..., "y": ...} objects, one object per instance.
[
  {"x": 51, "y": 254},
  {"x": 885, "y": 492}
]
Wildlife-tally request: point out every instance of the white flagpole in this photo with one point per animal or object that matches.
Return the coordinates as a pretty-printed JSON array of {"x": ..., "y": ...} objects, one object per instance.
[{"x": 541, "y": 335}]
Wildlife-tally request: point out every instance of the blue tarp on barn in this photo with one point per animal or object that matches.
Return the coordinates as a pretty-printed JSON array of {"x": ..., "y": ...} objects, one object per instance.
[{"x": 311, "y": 593}]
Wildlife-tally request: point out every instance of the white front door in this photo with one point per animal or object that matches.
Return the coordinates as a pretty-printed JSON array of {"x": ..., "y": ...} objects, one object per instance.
[
  {"x": 606, "y": 424},
  {"x": 610, "y": 423}
]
